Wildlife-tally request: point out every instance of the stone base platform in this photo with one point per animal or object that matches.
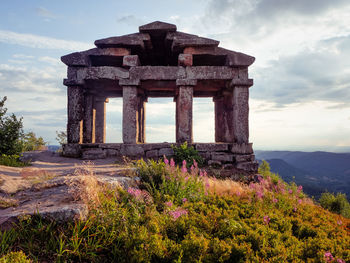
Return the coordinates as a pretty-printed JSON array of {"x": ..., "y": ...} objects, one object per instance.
[{"x": 228, "y": 155}]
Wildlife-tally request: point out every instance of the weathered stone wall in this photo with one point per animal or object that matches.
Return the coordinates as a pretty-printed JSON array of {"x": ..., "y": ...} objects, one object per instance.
[{"x": 228, "y": 155}]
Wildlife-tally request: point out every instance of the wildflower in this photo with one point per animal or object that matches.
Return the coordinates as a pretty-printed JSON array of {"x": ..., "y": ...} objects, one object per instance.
[
  {"x": 290, "y": 191},
  {"x": 259, "y": 194},
  {"x": 259, "y": 178},
  {"x": 195, "y": 163},
  {"x": 135, "y": 192},
  {"x": 238, "y": 193},
  {"x": 184, "y": 169},
  {"x": 166, "y": 161},
  {"x": 192, "y": 168},
  {"x": 294, "y": 209},
  {"x": 328, "y": 257},
  {"x": 169, "y": 204},
  {"x": 201, "y": 173},
  {"x": 184, "y": 199},
  {"x": 275, "y": 200},
  {"x": 186, "y": 178},
  {"x": 267, "y": 220},
  {"x": 299, "y": 201},
  {"x": 172, "y": 163},
  {"x": 177, "y": 213},
  {"x": 339, "y": 260},
  {"x": 300, "y": 188},
  {"x": 339, "y": 222}
]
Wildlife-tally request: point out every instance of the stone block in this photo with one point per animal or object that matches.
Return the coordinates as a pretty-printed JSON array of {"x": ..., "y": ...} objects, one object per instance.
[
  {"x": 157, "y": 73},
  {"x": 166, "y": 151},
  {"x": 205, "y": 155},
  {"x": 131, "y": 61},
  {"x": 114, "y": 146},
  {"x": 228, "y": 166},
  {"x": 133, "y": 150},
  {"x": 244, "y": 148},
  {"x": 156, "y": 146},
  {"x": 185, "y": 60},
  {"x": 129, "y": 82},
  {"x": 244, "y": 158},
  {"x": 111, "y": 152},
  {"x": 210, "y": 72},
  {"x": 214, "y": 163},
  {"x": 186, "y": 82},
  {"x": 248, "y": 166},
  {"x": 93, "y": 154},
  {"x": 71, "y": 150},
  {"x": 211, "y": 147},
  {"x": 223, "y": 157},
  {"x": 152, "y": 154}
]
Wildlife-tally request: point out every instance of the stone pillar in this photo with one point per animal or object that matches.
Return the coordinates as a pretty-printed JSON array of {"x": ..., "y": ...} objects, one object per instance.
[
  {"x": 89, "y": 119},
  {"x": 75, "y": 114},
  {"x": 141, "y": 119},
  {"x": 224, "y": 117},
  {"x": 184, "y": 102},
  {"x": 130, "y": 114},
  {"x": 100, "y": 119},
  {"x": 241, "y": 114}
]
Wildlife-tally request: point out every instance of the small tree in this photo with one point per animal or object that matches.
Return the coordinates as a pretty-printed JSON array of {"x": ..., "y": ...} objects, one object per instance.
[
  {"x": 31, "y": 143},
  {"x": 11, "y": 129},
  {"x": 61, "y": 137}
]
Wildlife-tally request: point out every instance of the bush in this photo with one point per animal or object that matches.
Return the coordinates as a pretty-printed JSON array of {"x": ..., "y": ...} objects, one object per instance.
[
  {"x": 14, "y": 257},
  {"x": 336, "y": 204},
  {"x": 30, "y": 142},
  {"x": 10, "y": 131},
  {"x": 183, "y": 152},
  {"x": 12, "y": 160}
]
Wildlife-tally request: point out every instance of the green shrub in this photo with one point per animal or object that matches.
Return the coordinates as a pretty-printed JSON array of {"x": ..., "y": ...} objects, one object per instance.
[
  {"x": 12, "y": 160},
  {"x": 14, "y": 257},
  {"x": 30, "y": 142},
  {"x": 336, "y": 204},
  {"x": 183, "y": 152}
]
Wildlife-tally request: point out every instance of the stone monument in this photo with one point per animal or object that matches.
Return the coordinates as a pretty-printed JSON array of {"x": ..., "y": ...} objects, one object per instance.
[{"x": 159, "y": 61}]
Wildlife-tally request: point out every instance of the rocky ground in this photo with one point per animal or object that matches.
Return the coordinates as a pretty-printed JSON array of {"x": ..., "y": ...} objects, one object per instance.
[{"x": 45, "y": 186}]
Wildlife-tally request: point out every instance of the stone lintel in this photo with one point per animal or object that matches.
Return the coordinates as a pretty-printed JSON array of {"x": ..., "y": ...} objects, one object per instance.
[
  {"x": 211, "y": 72},
  {"x": 186, "y": 82},
  {"x": 157, "y": 73},
  {"x": 129, "y": 82},
  {"x": 73, "y": 82},
  {"x": 241, "y": 82},
  {"x": 199, "y": 50},
  {"x": 157, "y": 26},
  {"x": 131, "y": 61},
  {"x": 185, "y": 60},
  {"x": 211, "y": 147}
]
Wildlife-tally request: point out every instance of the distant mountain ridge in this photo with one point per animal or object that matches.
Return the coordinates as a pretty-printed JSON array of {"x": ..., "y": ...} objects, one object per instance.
[{"x": 316, "y": 171}]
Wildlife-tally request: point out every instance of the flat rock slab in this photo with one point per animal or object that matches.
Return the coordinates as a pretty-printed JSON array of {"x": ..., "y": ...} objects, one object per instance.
[{"x": 42, "y": 188}]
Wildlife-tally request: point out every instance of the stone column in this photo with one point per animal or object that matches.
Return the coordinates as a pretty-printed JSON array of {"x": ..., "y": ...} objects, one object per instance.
[
  {"x": 89, "y": 119},
  {"x": 100, "y": 119},
  {"x": 184, "y": 101},
  {"x": 241, "y": 114},
  {"x": 130, "y": 114},
  {"x": 224, "y": 117},
  {"x": 75, "y": 114},
  {"x": 142, "y": 119}
]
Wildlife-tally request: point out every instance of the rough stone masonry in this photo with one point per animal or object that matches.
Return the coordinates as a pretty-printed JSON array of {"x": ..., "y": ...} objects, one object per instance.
[{"x": 159, "y": 61}]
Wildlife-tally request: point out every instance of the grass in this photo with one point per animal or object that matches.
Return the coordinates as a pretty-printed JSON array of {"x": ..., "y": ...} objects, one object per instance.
[
  {"x": 6, "y": 202},
  {"x": 12, "y": 160},
  {"x": 178, "y": 215}
]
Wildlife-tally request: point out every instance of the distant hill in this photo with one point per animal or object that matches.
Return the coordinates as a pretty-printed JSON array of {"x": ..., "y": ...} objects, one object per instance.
[
  {"x": 316, "y": 171},
  {"x": 53, "y": 148}
]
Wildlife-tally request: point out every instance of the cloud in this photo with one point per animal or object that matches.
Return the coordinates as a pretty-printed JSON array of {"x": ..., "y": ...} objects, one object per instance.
[
  {"x": 41, "y": 42},
  {"x": 43, "y": 12},
  {"x": 320, "y": 74},
  {"x": 131, "y": 20}
]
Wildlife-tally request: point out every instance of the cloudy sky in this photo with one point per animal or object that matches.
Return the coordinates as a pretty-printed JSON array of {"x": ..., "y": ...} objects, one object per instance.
[{"x": 301, "y": 94}]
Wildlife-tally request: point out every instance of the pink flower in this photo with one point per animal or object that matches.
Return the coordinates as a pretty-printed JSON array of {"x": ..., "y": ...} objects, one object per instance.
[
  {"x": 259, "y": 194},
  {"x": 169, "y": 204},
  {"x": 267, "y": 220},
  {"x": 259, "y": 178},
  {"x": 339, "y": 222},
  {"x": 299, "y": 201},
  {"x": 184, "y": 169},
  {"x": 328, "y": 257},
  {"x": 195, "y": 163},
  {"x": 339, "y": 260},
  {"x": 186, "y": 178},
  {"x": 184, "y": 200},
  {"x": 294, "y": 209},
  {"x": 275, "y": 200},
  {"x": 238, "y": 193},
  {"x": 178, "y": 212},
  {"x": 166, "y": 161},
  {"x": 300, "y": 188},
  {"x": 192, "y": 168},
  {"x": 201, "y": 173},
  {"x": 290, "y": 191},
  {"x": 134, "y": 192},
  {"x": 172, "y": 163}
]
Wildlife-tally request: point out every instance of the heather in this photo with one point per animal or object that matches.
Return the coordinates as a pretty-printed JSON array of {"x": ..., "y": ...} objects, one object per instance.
[{"x": 176, "y": 213}]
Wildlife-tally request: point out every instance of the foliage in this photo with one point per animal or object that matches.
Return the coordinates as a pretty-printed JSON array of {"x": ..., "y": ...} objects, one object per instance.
[
  {"x": 10, "y": 131},
  {"x": 31, "y": 143},
  {"x": 14, "y": 257},
  {"x": 336, "y": 203},
  {"x": 12, "y": 160},
  {"x": 184, "y": 152},
  {"x": 270, "y": 221},
  {"x": 61, "y": 137}
]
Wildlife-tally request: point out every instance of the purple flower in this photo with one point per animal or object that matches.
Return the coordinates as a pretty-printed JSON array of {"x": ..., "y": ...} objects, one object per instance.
[
  {"x": 300, "y": 188},
  {"x": 169, "y": 204},
  {"x": 290, "y": 191},
  {"x": 299, "y": 201},
  {"x": 166, "y": 161},
  {"x": 328, "y": 257},
  {"x": 339, "y": 222},
  {"x": 275, "y": 200},
  {"x": 295, "y": 209},
  {"x": 178, "y": 212},
  {"x": 267, "y": 220},
  {"x": 184, "y": 200},
  {"x": 172, "y": 163}
]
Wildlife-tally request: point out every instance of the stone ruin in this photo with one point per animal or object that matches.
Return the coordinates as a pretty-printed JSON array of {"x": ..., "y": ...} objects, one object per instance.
[{"x": 159, "y": 61}]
